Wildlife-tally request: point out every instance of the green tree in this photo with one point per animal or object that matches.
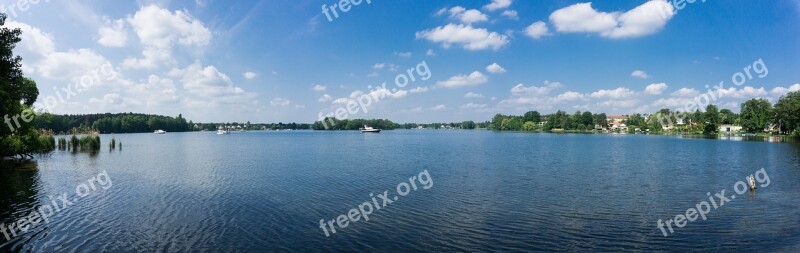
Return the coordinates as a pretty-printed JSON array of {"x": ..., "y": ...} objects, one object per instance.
[
  {"x": 587, "y": 119},
  {"x": 712, "y": 120},
  {"x": 727, "y": 116},
  {"x": 532, "y": 116},
  {"x": 529, "y": 126},
  {"x": 601, "y": 120},
  {"x": 787, "y": 112},
  {"x": 756, "y": 114},
  {"x": 469, "y": 124},
  {"x": 18, "y": 136}
]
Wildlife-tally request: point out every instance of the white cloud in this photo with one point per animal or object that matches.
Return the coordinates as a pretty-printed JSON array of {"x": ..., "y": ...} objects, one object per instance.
[
  {"x": 107, "y": 100},
  {"x": 640, "y": 74},
  {"x": 472, "y": 16},
  {"x": 672, "y": 102},
  {"x": 34, "y": 40},
  {"x": 464, "y": 35},
  {"x": 655, "y": 88},
  {"x": 495, "y": 68},
  {"x": 155, "y": 91},
  {"x": 510, "y": 14},
  {"x": 113, "y": 33},
  {"x": 473, "y": 79},
  {"x": 378, "y": 65},
  {"x": 521, "y": 90},
  {"x": 319, "y": 88},
  {"x": 474, "y": 106},
  {"x": 209, "y": 83},
  {"x": 325, "y": 98},
  {"x": 685, "y": 92},
  {"x": 568, "y": 96},
  {"x": 617, "y": 93},
  {"x": 72, "y": 65},
  {"x": 159, "y": 30},
  {"x": 419, "y": 89},
  {"x": 642, "y": 20},
  {"x": 467, "y": 16},
  {"x": 438, "y": 108},
  {"x": 249, "y": 75},
  {"x": 780, "y": 91},
  {"x": 537, "y": 30},
  {"x": 497, "y": 4},
  {"x": 745, "y": 92},
  {"x": 279, "y": 102},
  {"x": 473, "y": 95},
  {"x": 430, "y": 53},
  {"x": 152, "y": 58}
]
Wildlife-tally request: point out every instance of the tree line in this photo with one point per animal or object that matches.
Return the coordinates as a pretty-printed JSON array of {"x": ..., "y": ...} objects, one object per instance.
[
  {"x": 254, "y": 127},
  {"x": 757, "y": 115},
  {"x": 113, "y": 123}
]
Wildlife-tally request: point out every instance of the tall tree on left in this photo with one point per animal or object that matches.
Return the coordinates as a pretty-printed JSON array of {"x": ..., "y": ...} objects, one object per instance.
[{"x": 18, "y": 137}]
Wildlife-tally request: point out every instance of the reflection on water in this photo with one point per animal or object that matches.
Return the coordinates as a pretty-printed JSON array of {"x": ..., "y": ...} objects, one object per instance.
[
  {"x": 19, "y": 190},
  {"x": 267, "y": 191},
  {"x": 743, "y": 137}
]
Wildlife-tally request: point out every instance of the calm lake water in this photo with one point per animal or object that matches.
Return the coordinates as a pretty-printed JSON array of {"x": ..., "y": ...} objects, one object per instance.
[{"x": 268, "y": 191}]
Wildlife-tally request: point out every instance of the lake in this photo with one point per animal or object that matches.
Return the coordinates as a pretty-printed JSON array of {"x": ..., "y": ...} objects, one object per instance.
[{"x": 486, "y": 191}]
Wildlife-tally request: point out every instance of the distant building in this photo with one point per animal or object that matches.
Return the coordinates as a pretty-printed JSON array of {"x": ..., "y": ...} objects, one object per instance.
[
  {"x": 729, "y": 129},
  {"x": 616, "y": 119}
]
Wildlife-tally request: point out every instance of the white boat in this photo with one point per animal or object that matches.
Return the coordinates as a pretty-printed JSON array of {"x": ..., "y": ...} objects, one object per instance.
[
  {"x": 367, "y": 129},
  {"x": 222, "y": 131},
  {"x": 159, "y": 131}
]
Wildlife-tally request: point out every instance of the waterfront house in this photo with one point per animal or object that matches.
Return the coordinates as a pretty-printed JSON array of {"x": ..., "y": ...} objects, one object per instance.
[{"x": 729, "y": 128}]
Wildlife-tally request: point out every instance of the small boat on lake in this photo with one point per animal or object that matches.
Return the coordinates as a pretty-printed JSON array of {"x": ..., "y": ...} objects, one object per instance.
[
  {"x": 223, "y": 131},
  {"x": 367, "y": 129},
  {"x": 159, "y": 131}
]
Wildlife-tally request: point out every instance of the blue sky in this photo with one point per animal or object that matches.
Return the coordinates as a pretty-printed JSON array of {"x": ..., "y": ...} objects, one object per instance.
[{"x": 284, "y": 61}]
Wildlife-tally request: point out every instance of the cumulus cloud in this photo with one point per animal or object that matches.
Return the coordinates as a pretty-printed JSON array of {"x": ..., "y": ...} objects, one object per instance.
[
  {"x": 457, "y": 81},
  {"x": 780, "y": 91},
  {"x": 645, "y": 19},
  {"x": 473, "y": 95},
  {"x": 159, "y": 30},
  {"x": 208, "y": 82},
  {"x": 249, "y": 75},
  {"x": 744, "y": 92},
  {"x": 438, "y": 108},
  {"x": 319, "y": 88},
  {"x": 279, "y": 102},
  {"x": 113, "y": 33},
  {"x": 522, "y": 90},
  {"x": 655, "y": 88},
  {"x": 495, "y": 68},
  {"x": 466, "y": 36},
  {"x": 640, "y": 74},
  {"x": 465, "y": 16},
  {"x": 510, "y": 14},
  {"x": 617, "y": 93},
  {"x": 419, "y": 89},
  {"x": 378, "y": 65},
  {"x": 325, "y": 98},
  {"x": 568, "y": 96},
  {"x": 474, "y": 106},
  {"x": 497, "y": 4},
  {"x": 685, "y": 92},
  {"x": 537, "y": 30}
]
